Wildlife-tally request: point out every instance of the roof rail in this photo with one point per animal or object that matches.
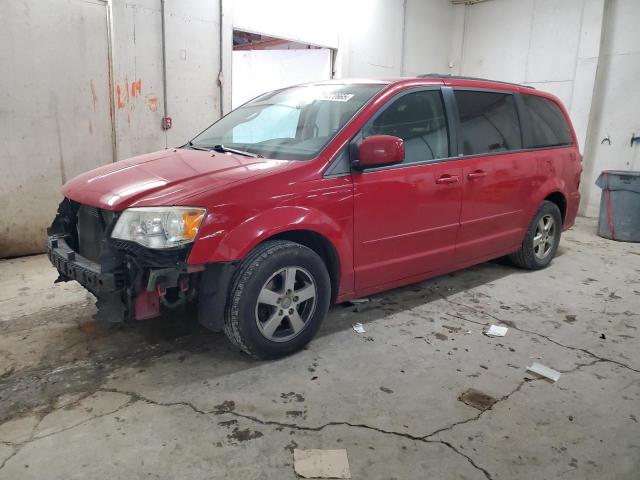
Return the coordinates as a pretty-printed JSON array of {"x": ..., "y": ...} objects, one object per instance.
[{"x": 462, "y": 77}]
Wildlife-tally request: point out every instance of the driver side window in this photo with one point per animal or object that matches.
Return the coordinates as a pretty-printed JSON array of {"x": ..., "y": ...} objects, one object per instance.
[{"x": 419, "y": 119}]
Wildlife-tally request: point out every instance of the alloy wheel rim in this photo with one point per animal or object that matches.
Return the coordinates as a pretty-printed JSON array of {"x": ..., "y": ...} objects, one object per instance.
[
  {"x": 285, "y": 304},
  {"x": 544, "y": 237}
]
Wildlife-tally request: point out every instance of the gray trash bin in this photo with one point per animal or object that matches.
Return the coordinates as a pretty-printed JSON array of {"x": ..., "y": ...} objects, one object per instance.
[{"x": 619, "y": 205}]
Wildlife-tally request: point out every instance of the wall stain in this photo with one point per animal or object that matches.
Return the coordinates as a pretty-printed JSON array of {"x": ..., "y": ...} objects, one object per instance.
[
  {"x": 152, "y": 102},
  {"x": 53, "y": 99},
  {"x": 94, "y": 97}
]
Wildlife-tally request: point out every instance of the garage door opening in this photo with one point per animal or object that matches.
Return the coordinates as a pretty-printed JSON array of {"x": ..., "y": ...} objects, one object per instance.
[{"x": 262, "y": 64}]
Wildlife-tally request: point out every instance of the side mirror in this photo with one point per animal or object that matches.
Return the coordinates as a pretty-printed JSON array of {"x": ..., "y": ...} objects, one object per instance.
[{"x": 379, "y": 150}]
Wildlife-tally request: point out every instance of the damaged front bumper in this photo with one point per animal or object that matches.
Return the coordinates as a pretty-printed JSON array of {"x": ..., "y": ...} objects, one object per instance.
[
  {"x": 128, "y": 280},
  {"x": 72, "y": 266}
]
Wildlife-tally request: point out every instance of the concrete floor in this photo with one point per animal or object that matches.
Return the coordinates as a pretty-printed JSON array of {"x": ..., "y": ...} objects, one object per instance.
[{"x": 166, "y": 399}]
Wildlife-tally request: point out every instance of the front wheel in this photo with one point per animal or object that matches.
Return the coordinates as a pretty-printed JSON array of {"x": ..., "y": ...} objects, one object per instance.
[
  {"x": 541, "y": 241},
  {"x": 279, "y": 296}
]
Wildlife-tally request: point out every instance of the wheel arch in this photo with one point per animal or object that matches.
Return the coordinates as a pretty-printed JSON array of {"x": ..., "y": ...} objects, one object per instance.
[
  {"x": 559, "y": 199},
  {"x": 552, "y": 190},
  {"x": 322, "y": 246}
]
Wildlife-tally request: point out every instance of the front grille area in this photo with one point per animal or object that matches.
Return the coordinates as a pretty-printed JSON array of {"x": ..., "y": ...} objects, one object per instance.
[{"x": 92, "y": 230}]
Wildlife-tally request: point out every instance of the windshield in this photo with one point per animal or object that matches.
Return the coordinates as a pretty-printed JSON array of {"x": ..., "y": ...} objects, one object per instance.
[{"x": 291, "y": 124}]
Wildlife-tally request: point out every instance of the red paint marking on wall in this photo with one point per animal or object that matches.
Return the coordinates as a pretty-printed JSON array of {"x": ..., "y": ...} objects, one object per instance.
[
  {"x": 136, "y": 88},
  {"x": 126, "y": 89},
  {"x": 125, "y": 92},
  {"x": 94, "y": 97},
  {"x": 119, "y": 100},
  {"x": 152, "y": 102}
]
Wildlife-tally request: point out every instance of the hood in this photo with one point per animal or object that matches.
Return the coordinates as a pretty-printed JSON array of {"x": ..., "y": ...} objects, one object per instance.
[{"x": 167, "y": 177}]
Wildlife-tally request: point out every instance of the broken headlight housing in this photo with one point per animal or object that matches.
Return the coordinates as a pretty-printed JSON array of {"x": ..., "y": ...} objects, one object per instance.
[{"x": 159, "y": 227}]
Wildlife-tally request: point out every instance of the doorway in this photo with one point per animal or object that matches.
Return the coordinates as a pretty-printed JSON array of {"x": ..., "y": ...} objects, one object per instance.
[{"x": 262, "y": 63}]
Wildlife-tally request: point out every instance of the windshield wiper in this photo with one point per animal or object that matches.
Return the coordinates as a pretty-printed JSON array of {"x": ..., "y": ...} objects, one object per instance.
[
  {"x": 223, "y": 149},
  {"x": 193, "y": 147}
]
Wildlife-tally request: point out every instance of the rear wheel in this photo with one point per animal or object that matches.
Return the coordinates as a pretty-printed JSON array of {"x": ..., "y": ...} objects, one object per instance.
[
  {"x": 541, "y": 240},
  {"x": 278, "y": 298}
]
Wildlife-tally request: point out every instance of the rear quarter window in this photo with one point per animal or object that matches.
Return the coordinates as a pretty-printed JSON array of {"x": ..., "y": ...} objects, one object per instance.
[
  {"x": 549, "y": 128},
  {"x": 488, "y": 122}
]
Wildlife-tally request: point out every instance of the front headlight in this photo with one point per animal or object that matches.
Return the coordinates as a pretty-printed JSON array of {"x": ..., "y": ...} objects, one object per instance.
[{"x": 159, "y": 227}]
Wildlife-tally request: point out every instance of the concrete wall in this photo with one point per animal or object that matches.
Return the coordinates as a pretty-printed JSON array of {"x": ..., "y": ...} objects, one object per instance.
[
  {"x": 371, "y": 39},
  {"x": 54, "y": 110},
  {"x": 193, "y": 63},
  {"x": 587, "y": 55},
  {"x": 55, "y": 114},
  {"x": 551, "y": 45},
  {"x": 428, "y": 36},
  {"x": 616, "y": 101},
  {"x": 137, "y": 77}
]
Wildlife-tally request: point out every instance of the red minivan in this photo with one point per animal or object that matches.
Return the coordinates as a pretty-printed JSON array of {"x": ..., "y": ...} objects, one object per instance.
[{"x": 322, "y": 193}]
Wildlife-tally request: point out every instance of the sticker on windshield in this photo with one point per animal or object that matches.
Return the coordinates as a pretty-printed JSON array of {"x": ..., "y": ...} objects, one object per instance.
[{"x": 335, "y": 97}]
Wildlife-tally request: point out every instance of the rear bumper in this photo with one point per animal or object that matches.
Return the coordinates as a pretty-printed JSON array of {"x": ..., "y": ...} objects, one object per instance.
[{"x": 73, "y": 266}]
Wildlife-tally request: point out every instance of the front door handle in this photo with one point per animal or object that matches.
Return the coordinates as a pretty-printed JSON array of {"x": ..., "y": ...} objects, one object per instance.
[
  {"x": 476, "y": 174},
  {"x": 447, "y": 179}
]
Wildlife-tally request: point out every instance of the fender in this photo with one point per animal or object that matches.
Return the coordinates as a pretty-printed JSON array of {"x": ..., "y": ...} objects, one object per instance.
[{"x": 237, "y": 242}]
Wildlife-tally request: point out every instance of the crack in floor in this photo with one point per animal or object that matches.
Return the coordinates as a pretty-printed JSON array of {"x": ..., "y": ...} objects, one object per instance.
[
  {"x": 428, "y": 438},
  {"x": 529, "y": 332},
  {"x": 293, "y": 426},
  {"x": 17, "y": 446},
  {"x": 223, "y": 410}
]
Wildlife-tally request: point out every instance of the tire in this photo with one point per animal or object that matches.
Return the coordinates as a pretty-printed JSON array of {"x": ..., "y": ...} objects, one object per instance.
[
  {"x": 264, "y": 316},
  {"x": 534, "y": 254}
]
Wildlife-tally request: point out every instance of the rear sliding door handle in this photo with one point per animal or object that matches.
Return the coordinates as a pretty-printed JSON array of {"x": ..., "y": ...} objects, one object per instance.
[
  {"x": 476, "y": 174},
  {"x": 447, "y": 179}
]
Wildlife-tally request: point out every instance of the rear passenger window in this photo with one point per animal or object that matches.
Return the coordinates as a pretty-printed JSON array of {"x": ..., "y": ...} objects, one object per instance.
[
  {"x": 488, "y": 122},
  {"x": 549, "y": 128},
  {"x": 419, "y": 119}
]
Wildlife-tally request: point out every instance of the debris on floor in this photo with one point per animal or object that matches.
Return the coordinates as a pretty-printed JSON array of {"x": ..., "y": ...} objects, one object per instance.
[
  {"x": 543, "y": 371},
  {"x": 316, "y": 463},
  {"x": 358, "y": 328},
  {"x": 452, "y": 329},
  {"x": 477, "y": 399},
  {"x": 359, "y": 301},
  {"x": 496, "y": 331}
]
